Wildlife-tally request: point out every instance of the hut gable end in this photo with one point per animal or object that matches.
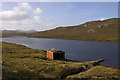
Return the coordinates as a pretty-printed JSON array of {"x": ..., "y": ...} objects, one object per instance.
[{"x": 55, "y": 54}]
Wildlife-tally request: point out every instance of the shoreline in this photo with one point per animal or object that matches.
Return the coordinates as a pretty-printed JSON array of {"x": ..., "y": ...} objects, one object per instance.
[
  {"x": 69, "y": 60},
  {"x": 22, "y": 60},
  {"x": 64, "y": 39}
]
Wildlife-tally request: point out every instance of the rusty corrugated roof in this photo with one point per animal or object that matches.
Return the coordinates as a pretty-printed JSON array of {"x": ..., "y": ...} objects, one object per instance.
[{"x": 54, "y": 50}]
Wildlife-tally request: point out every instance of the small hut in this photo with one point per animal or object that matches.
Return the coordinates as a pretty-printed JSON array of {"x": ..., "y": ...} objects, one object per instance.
[{"x": 55, "y": 54}]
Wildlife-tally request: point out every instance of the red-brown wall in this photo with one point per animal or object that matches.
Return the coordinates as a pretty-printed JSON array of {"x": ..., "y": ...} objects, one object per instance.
[{"x": 49, "y": 54}]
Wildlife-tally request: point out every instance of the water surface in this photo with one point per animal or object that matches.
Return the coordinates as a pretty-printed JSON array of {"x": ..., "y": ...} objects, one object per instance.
[{"x": 74, "y": 49}]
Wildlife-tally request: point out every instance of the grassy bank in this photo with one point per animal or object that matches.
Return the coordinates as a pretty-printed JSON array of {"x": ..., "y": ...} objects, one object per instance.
[
  {"x": 98, "y": 73},
  {"x": 23, "y": 63}
]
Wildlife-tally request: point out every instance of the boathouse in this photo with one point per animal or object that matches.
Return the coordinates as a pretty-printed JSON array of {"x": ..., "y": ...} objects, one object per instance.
[{"x": 55, "y": 54}]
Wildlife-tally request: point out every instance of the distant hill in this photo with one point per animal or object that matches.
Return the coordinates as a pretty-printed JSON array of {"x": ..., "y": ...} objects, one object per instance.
[
  {"x": 11, "y": 33},
  {"x": 106, "y": 30}
]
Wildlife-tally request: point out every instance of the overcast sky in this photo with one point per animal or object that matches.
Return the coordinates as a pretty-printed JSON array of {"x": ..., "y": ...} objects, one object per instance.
[{"x": 47, "y": 15}]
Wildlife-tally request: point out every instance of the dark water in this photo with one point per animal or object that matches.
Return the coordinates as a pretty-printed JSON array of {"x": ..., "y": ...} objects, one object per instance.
[{"x": 74, "y": 49}]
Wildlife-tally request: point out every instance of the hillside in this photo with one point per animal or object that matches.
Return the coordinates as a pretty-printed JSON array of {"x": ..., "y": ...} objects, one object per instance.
[
  {"x": 106, "y": 30},
  {"x": 10, "y": 33},
  {"x": 23, "y": 63}
]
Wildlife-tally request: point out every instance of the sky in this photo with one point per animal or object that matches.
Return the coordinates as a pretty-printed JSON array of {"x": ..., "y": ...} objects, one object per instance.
[
  {"x": 59, "y": 0},
  {"x": 42, "y": 16}
]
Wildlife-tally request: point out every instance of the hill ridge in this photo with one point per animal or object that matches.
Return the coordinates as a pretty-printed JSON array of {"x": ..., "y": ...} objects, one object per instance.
[{"x": 106, "y": 30}]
